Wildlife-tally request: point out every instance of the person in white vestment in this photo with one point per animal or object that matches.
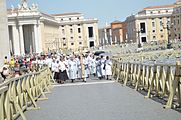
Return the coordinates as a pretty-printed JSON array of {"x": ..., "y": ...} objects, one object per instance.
[
  {"x": 108, "y": 68},
  {"x": 93, "y": 66},
  {"x": 103, "y": 66},
  {"x": 72, "y": 69},
  {"x": 79, "y": 71},
  {"x": 98, "y": 68},
  {"x": 86, "y": 67}
]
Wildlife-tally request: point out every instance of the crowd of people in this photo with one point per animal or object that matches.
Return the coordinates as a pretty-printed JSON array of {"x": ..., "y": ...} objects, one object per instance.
[
  {"x": 63, "y": 67},
  {"x": 76, "y": 67}
]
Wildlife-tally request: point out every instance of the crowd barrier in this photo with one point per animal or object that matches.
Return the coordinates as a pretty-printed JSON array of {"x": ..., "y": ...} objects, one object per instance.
[
  {"x": 161, "y": 80},
  {"x": 20, "y": 94}
]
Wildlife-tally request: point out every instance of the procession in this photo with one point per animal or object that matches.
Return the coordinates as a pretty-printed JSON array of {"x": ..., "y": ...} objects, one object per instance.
[{"x": 79, "y": 67}]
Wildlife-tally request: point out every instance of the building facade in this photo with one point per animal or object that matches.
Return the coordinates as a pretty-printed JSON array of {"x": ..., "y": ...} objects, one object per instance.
[
  {"x": 176, "y": 22},
  {"x": 119, "y": 32},
  {"x": 77, "y": 32},
  {"x": 151, "y": 24},
  {"x": 31, "y": 31}
]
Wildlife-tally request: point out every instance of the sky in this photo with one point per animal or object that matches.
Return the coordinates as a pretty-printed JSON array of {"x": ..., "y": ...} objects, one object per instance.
[{"x": 104, "y": 10}]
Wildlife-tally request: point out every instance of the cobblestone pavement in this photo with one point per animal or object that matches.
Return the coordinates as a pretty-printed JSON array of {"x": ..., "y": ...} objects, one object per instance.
[{"x": 99, "y": 101}]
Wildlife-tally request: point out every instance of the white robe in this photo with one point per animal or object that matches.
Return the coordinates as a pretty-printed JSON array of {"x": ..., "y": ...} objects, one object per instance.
[
  {"x": 79, "y": 71},
  {"x": 98, "y": 68},
  {"x": 102, "y": 66},
  {"x": 72, "y": 69},
  {"x": 86, "y": 67},
  {"x": 93, "y": 66},
  {"x": 108, "y": 68}
]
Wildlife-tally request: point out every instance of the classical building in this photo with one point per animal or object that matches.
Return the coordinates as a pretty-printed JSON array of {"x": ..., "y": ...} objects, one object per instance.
[
  {"x": 119, "y": 32},
  {"x": 76, "y": 31},
  {"x": 176, "y": 24},
  {"x": 32, "y": 31},
  {"x": 150, "y": 24}
]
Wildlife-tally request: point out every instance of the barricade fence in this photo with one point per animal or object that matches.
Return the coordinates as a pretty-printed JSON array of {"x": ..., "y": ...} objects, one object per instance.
[
  {"x": 161, "y": 80},
  {"x": 166, "y": 54},
  {"x": 20, "y": 94}
]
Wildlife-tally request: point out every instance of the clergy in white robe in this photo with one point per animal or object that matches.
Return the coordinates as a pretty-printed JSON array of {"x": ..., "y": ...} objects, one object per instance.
[
  {"x": 103, "y": 66},
  {"x": 93, "y": 66},
  {"x": 98, "y": 68},
  {"x": 72, "y": 69},
  {"x": 108, "y": 67}
]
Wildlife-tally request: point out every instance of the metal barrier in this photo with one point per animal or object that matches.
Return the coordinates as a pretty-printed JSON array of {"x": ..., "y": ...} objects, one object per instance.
[
  {"x": 161, "y": 80},
  {"x": 19, "y": 94}
]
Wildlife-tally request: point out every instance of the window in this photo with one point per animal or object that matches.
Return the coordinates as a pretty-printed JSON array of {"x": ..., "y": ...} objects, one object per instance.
[
  {"x": 62, "y": 19},
  {"x": 72, "y": 43},
  {"x": 70, "y": 19},
  {"x": 161, "y": 23},
  {"x": 166, "y": 11},
  {"x": 153, "y": 24},
  {"x": 78, "y": 18},
  {"x": 79, "y": 30},
  {"x": 91, "y": 44},
  {"x": 63, "y": 31},
  {"x": 78, "y": 24},
  {"x": 71, "y": 30},
  {"x": 151, "y": 12},
  {"x": 63, "y": 38},
  {"x": 62, "y": 25},
  {"x": 142, "y": 27},
  {"x": 80, "y": 43},
  {"x": 72, "y": 38},
  {"x": 143, "y": 39},
  {"x": 70, "y": 25},
  {"x": 90, "y": 30},
  {"x": 161, "y": 36},
  {"x": 178, "y": 22},
  {"x": 158, "y": 11},
  {"x": 153, "y": 31},
  {"x": 64, "y": 44},
  {"x": 79, "y": 36},
  {"x": 161, "y": 30},
  {"x": 154, "y": 37}
]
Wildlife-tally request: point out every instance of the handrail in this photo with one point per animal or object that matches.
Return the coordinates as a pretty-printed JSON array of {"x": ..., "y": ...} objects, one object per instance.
[{"x": 18, "y": 94}]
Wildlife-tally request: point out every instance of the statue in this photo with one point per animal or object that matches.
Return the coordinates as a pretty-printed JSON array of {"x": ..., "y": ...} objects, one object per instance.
[
  {"x": 24, "y": 3},
  {"x": 12, "y": 8},
  {"x": 34, "y": 7}
]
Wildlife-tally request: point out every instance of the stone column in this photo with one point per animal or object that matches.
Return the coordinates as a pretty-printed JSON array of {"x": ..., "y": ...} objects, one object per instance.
[
  {"x": 36, "y": 38},
  {"x": 22, "y": 49},
  {"x": 16, "y": 42},
  {"x": 4, "y": 36},
  {"x": 40, "y": 39},
  {"x": 38, "y": 42}
]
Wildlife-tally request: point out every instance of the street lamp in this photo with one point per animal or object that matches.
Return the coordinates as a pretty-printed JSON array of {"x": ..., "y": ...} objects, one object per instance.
[
  {"x": 139, "y": 41},
  {"x": 168, "y": 27}
]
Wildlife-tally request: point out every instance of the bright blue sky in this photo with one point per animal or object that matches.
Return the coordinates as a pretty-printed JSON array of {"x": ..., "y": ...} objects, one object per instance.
[{"x": 104, "y": 10}]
